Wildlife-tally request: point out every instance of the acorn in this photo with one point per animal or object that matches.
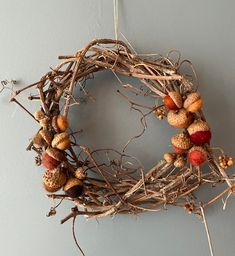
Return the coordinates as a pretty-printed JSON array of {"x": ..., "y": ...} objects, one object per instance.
[
  {"x": 79, "y": 173},
  {"x": 52, "y": 157},
  {"x": 181, "y": 142},
  {"x": 38, "y": 115},
  {"x": 197, "y": 155},
  {"x": 179, "y": 119},
  {"x": 46, "y": 135},
  {"x": 179, "y": 162},
  {"x": 199, "y": 132},
  {"x": 60, "y": 123},
  {"x": 173, "y": 101},
  {"x": 38, "y": 141},
  {"x": 53, "y": 180},
  {"x": 61, "y": 141},
  {"x": 169, "y": 157},
  {"x": 73, "y": 188},
  {"x": 193, "y": 102},
  {"x": 44, "y": 122}
]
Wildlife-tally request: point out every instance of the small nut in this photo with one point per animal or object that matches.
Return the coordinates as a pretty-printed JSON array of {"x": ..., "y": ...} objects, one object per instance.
[
  {"x": 173, "y": 100},
  {"x": 73, "y": 188},
  {"x": 61, "y": 141},
  {"x": 79, "y": 173},
  {"x": 45, "y": 134},
  {"x": 38, "y": 115},
  {"x": 53, "y": 180},
  {"x": 60, "y": 123},
  {"x": 193, "y": 102},
  {"x": 169, "y": 157},
  {"x": 179, "y": 119},
  {"x": 179, "y": 162},
  {"x": 181, "y": 142},
  {"x": 44, "y": 122}
]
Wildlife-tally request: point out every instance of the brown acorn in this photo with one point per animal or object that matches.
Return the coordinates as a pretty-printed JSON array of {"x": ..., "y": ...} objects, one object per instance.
[
  {"x": 169, "y": 157},
  {"x": 38, "y": 115},
  {"x": 79, "y": 173},
  {"x": 61, "y": 141},
  {"x": 52, "y": 157},
  {"x": 173, "y": 101},
  {"x": 60, "y": 123},
  {"x": 193, "y": 102},
  {"x": 53, "y": 180},
  {"x": 181, "y": 142},
  {"x": 38, "y": 141},
  {"x": 73, "y": 188},
  {"x": 179, "y": 119},
  {"x": 44, "y": 122},
  {"x": 46, "y": 135}
]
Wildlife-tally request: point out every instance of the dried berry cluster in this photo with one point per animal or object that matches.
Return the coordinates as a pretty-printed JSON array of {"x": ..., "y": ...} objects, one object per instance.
[{"x": 104, "y": 188}]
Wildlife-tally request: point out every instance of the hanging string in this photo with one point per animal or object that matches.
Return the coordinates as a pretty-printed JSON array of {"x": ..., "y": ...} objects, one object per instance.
[
  {"x": 207, "y": 231},
  {"x": 115, "y": 18}
]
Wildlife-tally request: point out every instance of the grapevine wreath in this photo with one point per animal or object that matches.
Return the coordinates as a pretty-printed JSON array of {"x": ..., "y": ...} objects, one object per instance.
[{"x": 113, "y": 187}]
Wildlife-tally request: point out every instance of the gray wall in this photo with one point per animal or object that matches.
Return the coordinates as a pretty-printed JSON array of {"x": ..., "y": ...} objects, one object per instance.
[{"x": 32, "y": 35}]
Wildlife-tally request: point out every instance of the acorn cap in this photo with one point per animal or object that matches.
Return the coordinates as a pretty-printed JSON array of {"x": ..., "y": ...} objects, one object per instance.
[
  {"x": 44, "y": 122},
  {"x": 179, "y": 162},
  {"x": 191, "y": 98},
  {"x": 56, "y": 154},
  {"x": 46, "y": 136},
  {"x": 61, "y": 141},
  {"x": 79, "y": 173},
  {"x": 198, "y": 126},
  {"x": 181, "y": 140},
  {"x": 38, "y": 115},
  {"x": 176, "y": 97},
  {"x": 54, "y": 180},
  {"x": 169, "y": 157},
  {"x": 73, "y": 188},
  {"x": 180, "y": 119}
]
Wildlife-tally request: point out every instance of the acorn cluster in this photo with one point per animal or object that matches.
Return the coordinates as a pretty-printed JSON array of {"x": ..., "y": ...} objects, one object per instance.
[
  {"x": 183, "y": 113},
  {"x": 53, "y": 140}
]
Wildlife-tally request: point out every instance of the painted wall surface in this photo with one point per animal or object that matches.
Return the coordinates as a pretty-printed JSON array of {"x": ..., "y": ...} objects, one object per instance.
[{"x": 32, "y": 35}]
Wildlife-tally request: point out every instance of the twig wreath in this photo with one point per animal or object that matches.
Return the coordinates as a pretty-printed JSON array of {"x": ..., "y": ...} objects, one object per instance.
[{"x": 98, "y": 189}]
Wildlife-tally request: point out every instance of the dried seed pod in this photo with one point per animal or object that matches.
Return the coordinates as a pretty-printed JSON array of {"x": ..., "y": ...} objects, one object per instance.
[
  {"x": 79, "y": 173},
  {"x": 197, "y": 155},
  {"x": 179, "y": 162},
  {"x": 181, "y": 142},
  {"x": 60, "y": 123},
  {"x": 193, "y": 102},
  {"x": 199, "y": 132},
  {"x": 73, "y": 188},
  {"x": 38, "y": 115},
  {"x": 169, "y": 157},
  {"x": 51, "y": 158},
  {"x": 53, "y": 180},
  {"x": 61, "y": 141},
  {"x": 173, "y": 101},
  {"x": 179, "y": 119},
  {"x": 46, "y": 135}
]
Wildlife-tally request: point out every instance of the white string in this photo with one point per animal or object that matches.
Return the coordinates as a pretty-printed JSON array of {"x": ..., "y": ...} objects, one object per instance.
[
  {"x": 115, "y": 17},
  {"x": 207, "y": 231}
]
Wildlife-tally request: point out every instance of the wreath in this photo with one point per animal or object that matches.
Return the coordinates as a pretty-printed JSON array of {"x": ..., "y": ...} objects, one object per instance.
[{"x": 115, "y": 186}]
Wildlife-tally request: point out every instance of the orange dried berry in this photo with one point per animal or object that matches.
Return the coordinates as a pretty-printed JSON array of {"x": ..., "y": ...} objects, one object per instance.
[
  {"x": 173, "y": 100},
  {"x": 197, "y": 155},
  {"x": 193, "y": 102},
  {"x": 60, "y": 123},
  {"x": 61, "y": 141}
]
